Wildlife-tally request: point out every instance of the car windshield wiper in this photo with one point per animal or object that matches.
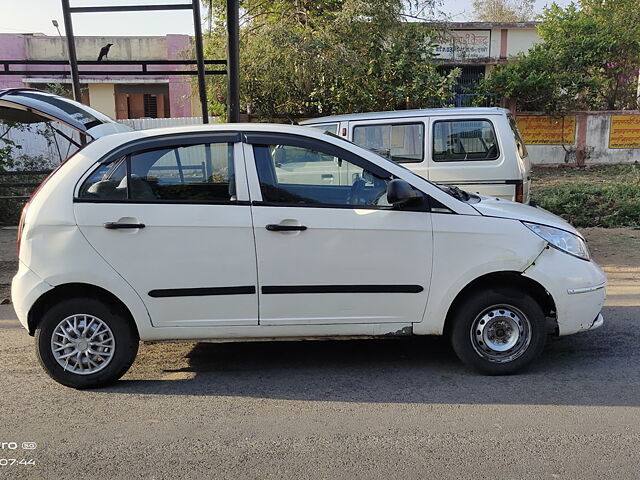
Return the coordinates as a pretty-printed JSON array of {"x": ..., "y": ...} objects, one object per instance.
[{"x": 456, "y": 192}]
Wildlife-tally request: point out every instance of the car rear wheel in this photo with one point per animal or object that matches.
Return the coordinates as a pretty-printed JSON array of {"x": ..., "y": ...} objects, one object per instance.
[
  {"x": 85, "y": 343},
  {"x": 498, "y": 331}
]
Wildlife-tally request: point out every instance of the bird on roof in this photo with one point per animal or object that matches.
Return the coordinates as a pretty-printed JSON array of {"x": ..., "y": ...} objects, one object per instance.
[{"x": 104, "y": 52}]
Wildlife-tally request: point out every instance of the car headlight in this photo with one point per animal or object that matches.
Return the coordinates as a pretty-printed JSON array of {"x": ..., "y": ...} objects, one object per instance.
[{"x": 560, "y": 239}]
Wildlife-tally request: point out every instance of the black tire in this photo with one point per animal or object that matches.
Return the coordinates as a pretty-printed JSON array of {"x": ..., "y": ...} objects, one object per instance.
[
  {"x": 491, "y": 320},
  {"x": 124, "y": 342}
]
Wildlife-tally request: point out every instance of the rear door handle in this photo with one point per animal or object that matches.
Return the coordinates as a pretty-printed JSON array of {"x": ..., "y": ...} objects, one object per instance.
[
  {"x": 274, "y": 227},
  {"x": 117, "y": 225}
]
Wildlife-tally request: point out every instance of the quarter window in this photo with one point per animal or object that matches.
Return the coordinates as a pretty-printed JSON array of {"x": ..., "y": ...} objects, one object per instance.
[
  {"x": 462, "y": 140},
  {"x": 402, "y": 143},
  {"x": 107, "y": 182},
  {"x": 191, "y": 174},
  {"x": 301, "y": 176}
]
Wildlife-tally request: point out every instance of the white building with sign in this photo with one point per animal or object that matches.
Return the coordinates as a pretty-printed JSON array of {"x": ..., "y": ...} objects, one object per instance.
[{"x": 475, "y": 47}]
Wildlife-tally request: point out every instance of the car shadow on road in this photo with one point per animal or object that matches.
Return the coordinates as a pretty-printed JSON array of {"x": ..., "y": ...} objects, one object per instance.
[{"x": 595, "y": 368}]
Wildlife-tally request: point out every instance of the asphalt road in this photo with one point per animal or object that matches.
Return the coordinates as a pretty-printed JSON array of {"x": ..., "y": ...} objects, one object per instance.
[{"x": 352, "y": 409}]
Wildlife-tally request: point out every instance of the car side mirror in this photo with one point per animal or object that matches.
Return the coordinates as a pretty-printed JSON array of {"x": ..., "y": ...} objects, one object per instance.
[{"x": 400, "y": 193}]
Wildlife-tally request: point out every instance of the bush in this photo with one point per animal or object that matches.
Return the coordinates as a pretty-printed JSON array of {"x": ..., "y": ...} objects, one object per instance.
[{"x": 591, "y": 197}]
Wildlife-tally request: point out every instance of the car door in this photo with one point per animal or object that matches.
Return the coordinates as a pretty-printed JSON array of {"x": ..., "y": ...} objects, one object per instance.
[
  {"x": 334, "y": 254},
  {"x": 172, "y": 217}
]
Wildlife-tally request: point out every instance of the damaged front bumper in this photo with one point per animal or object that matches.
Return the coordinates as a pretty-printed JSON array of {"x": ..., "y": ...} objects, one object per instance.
[{"x": 577, "y": 287}]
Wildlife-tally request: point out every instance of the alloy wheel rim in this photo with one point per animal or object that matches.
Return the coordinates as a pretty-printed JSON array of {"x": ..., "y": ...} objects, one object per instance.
[
  {"x": 82, "y": 344},
  {"x": 501, "y": 333}
]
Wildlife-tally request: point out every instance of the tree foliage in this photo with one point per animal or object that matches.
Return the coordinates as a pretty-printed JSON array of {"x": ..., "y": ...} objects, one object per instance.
[
  {"x": 503, "y": 10},
  {"x": 301, "y": 58},
  {"x": 588, "y": 60}
]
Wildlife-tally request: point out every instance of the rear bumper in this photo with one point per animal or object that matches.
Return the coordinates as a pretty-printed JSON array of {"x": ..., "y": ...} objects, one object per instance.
[{"x": 26, "y": 288}]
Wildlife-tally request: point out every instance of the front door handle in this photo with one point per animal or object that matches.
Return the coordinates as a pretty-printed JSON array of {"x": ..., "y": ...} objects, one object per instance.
[
  {"x": 117, "y": 225},
  {"x": 274, "y": 227}
]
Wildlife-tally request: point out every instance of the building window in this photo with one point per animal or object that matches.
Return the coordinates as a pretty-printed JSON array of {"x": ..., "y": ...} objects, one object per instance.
[{"x": 150, "y": 106}]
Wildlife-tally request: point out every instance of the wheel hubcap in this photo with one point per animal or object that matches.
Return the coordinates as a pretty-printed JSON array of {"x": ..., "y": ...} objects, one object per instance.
[
  {"x": 501, "y": 333},
  {"x": 82, "y": 344}
]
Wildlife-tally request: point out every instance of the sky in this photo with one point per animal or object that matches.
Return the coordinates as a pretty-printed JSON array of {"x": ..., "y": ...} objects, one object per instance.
[{"x": 36, "y": 16}]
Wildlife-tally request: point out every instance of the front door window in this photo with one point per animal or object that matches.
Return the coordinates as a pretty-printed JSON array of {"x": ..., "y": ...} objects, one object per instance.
[{"x": 302, "y": 176}]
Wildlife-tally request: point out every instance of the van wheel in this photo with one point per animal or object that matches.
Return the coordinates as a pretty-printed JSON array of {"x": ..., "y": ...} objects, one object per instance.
[
  {"x": 498, "y": 331},
  {"x": 84, "y": 343}
]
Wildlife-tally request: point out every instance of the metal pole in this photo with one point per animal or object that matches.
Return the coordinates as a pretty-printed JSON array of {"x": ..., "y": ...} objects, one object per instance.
[
  {"x": 233, "y": 60},
  {"x": 202, "y": 88},
  {"x": 71, "y": 48}
]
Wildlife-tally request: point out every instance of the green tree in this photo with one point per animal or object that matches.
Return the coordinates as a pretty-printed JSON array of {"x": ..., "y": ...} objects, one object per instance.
[
  {"x": 305, "y": 58},
  {"x": 503, "y": 10},
  {"x": 588, "y": 60}
]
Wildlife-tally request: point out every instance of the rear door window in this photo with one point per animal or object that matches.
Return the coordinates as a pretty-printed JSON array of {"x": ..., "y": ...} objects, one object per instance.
[
  {"x": 191, "y": 174},
  {"x": 464, "y": 140},
  {"x": 402, "y": 143}
]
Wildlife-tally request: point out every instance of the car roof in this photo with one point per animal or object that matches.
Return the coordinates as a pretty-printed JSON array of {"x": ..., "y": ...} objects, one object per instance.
[
  {"x": 114, "y": 140},
  {"x": 218, "y": 127},
  {"x": 408, "y": 114}
]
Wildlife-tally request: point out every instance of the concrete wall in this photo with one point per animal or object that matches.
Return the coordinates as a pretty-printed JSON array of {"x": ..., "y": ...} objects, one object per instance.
[
  {"x": 521, "y": 40},
  {"x": 12, "y": 47},
  {"x": 593, "y": 140},
  {"x": 88, "y": 48}
]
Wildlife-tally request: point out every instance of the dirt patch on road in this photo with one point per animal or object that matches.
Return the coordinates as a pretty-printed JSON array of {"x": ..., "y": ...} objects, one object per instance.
[
  {"x": 617, "y": 251},
  {"x": 614, "y": 246}
]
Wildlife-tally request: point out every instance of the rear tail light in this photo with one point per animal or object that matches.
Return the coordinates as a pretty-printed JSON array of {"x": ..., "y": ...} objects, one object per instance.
[
  {"x": 520, "y": 192},
  {"x": 21, "y": 226}
]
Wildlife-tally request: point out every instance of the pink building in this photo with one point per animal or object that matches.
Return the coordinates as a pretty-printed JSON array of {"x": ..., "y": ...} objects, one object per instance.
[{"x": 119, "y": 96}]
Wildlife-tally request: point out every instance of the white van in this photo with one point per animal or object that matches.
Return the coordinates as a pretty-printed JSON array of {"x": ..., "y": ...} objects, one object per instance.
[
  {"x": 477, "y": 149},
  {"x": 254, "y": 231}
]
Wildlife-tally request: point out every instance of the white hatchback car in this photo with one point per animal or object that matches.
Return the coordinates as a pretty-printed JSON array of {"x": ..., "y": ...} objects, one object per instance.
[{"x": 254, "y": 231}]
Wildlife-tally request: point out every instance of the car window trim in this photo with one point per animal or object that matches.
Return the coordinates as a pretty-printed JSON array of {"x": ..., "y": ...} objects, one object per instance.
[
  {"x": 422, "y": 206},
  {"x": 171, "y": 141},
  {"x": 163, "y": 202},
  {"x": 266, "y": 139},
  {"x": 453, "y": 160}
]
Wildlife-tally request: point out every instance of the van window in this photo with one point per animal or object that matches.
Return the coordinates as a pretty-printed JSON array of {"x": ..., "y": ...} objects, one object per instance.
[
  {"x": 402, "y": 143},
  {"x": 462, "y": 140}
]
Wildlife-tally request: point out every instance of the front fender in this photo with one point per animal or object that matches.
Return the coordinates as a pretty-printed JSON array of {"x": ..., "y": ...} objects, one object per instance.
[{"x": 467, "y": 248}]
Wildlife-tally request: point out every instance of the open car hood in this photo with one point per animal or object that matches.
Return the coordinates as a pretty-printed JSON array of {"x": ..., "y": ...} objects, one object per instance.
[{"x": 28, "y": 105}]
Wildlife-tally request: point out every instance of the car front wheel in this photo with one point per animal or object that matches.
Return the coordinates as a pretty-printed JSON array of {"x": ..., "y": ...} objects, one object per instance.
[
  {"x": 85, "y": 343},
  {"x": 498, "y": 331}
]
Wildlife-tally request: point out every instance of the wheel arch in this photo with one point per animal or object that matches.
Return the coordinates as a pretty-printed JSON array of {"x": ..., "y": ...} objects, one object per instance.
[
  {"x": 75, "y": 290},
  {"x": 510, "y": 279}
]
